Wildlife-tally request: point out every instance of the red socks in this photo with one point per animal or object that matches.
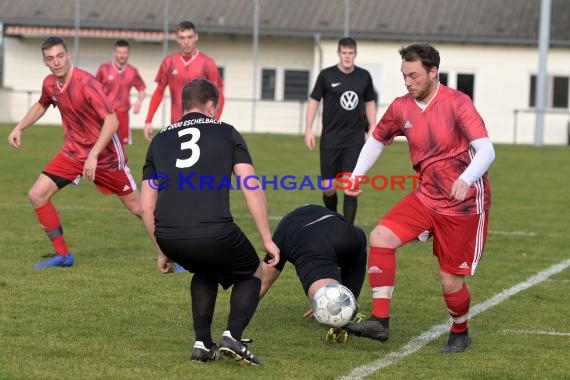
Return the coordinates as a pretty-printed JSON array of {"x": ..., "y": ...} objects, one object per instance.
[
  {"x": 49, "y": 220},
  {"x": 381, "y": 275},
  {"x": 458, "y": 308}
]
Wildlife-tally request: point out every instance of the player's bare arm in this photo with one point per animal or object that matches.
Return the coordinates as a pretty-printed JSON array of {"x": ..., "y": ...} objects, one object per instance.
[
  {"x": 148, "y": 204},
  {"x": 153, "y": 106},
  {"x": 312, "y": 108},
  {"x": 140, "y": 97},
  {"x": 33, "y": 115},
  {"x": 110, "y": 125},
  {"x": 270, "y": 275},
  {"x": 257, "y": 206}
]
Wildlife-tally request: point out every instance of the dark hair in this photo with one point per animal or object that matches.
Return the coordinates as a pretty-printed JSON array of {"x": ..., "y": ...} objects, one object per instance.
[
  {"x": 121, "y": 43},
  {"x": 347, "y": 42},
  {"x": 199, "y": 92},
  {"x": 421, "y": 52},
  {"x": 186, "y": 25},
  {"x": 53, "y": 41}
]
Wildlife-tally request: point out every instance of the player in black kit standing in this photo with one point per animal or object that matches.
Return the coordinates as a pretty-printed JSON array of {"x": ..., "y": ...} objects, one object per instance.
[
  {"x": 349, "y": 111},
  {"x": 186, "y": 212}
]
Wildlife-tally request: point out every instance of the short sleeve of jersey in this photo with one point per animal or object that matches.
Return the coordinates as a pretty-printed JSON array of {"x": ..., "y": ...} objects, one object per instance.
[
  {"x": 213, "y": 74},
  {"x": 99, "y": 74},
  {"x": 388, "y": 127},
  {"x": 162, "y": 75},
  {"x": 97, "y": 99},
  {"x": 470, "y": 121},
  {"x": 241, "y": 153},
  {"x": 138, "y": 82},
  {"x": 45, "y": 99},
  {"x": 319, "y": 89}
]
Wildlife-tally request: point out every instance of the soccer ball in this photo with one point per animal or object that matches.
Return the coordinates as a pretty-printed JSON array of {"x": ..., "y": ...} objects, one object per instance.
[{"x": 334, "y": 305}]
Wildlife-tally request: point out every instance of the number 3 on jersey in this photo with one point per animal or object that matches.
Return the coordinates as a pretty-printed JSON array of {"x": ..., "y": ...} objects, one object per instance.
[{"x": 191, "y": 145}]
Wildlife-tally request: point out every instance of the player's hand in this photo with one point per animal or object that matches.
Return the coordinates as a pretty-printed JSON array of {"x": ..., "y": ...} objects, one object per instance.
[
  {"x": 15, "y": 138},
  {"x": 136, "y": 107},
  {"x": 310, "y": 140},
  {"x": 459, "y": 189},
  {"x": 90, "y": 167},
  {"x": 354, "y": 190},
  {"x": 308, "y": 314},
  {"x": 272, "y": 251},
  {"x": 164, "y": 264},
  {"x": 148, "y": 131}
]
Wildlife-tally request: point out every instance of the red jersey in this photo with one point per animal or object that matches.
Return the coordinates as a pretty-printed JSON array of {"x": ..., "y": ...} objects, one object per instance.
[
  {"x": 83, "y": 107},
  {"x": 175, "y": 72},
  {"x": 438, "y": 140},
  {"x": 118, "y": 83}
]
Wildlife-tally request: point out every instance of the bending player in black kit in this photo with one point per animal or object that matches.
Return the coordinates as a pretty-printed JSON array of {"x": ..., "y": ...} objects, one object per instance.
[{"x": 324, "y": 248}]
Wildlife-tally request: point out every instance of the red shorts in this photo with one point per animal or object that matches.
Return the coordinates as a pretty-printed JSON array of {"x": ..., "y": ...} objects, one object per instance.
[
  {"x": 123, "y": 131},
  {"x": 458, "y": 240},
  {"x": 119, "y": 182}
]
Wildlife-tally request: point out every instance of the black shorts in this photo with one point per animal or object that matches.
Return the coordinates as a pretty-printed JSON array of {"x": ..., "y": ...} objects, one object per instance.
[
  {"x": 334, "y": 253},
  {"x": 334, "y": 161},
  {"x": 229, "y": 259}
]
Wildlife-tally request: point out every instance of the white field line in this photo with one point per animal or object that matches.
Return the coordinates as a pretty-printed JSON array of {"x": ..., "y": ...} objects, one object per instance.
[
  {"x": 436, "y": 331},
  {"x": 535, "y": 332}
]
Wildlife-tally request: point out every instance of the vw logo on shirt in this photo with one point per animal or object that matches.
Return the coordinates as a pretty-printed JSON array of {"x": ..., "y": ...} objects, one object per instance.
[{"x": 349, "y": 100}]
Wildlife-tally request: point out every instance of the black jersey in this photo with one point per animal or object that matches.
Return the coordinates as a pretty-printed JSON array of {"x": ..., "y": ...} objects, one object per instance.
[
  {"x": 193, "y": 161},
  {"x": 311, "y": 234},
  {"x": 344, "y": 113}
]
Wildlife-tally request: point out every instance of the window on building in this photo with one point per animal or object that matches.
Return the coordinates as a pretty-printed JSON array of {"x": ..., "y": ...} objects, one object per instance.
[
  {"x": 296, "y": 85},
  {"x": 443, "y": 78},
  {"x": 560, "y": 92},
  {"x": 532, "y": 99},
  {"x": 268, "y": 84},
  {"x": 557, "y": 92},
  {"x": 466, "y": 84}
]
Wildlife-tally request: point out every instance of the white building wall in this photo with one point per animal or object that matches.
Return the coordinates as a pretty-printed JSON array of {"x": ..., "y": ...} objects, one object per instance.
[{"x": 502, "y": 79}]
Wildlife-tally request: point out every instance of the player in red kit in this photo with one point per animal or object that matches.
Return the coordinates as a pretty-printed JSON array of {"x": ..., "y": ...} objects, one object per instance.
[
  {"x": 91, "y": 147},
  {"x": 179, "y": 69},
  {"x": 451, "y": 152},
  {"x": 117, "y": 78}
]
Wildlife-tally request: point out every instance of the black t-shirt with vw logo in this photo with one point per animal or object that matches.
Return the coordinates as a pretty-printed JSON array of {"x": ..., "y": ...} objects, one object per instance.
[
  {"x": 190, "y": 163},
  {"x": 344, "y": 95}
]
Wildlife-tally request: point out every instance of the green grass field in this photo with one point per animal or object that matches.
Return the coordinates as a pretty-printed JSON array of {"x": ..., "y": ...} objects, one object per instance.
[{"x": 114, "y": 316}]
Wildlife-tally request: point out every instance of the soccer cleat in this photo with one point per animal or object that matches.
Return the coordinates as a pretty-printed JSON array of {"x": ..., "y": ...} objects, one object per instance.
[
  {"x": 56, "y": 261},
  {"x": 236, "y": 350},
  {"x": 369, "y": 328},
  {"x": 457, "y": 342},
  {"x": 337, "y": 335},
  {"x": 359, "y": 317},
  {"x": 179, "y": 268},
  {"x": 201, "y": 354}
]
